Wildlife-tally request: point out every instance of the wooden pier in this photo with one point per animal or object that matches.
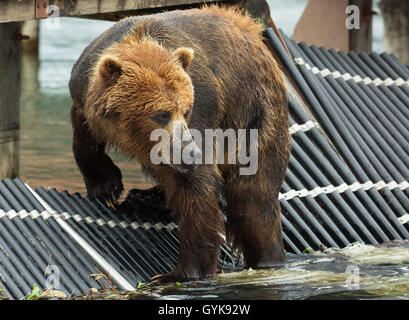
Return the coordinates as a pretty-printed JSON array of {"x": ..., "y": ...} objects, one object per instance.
[{"x": 11, "y": 11}]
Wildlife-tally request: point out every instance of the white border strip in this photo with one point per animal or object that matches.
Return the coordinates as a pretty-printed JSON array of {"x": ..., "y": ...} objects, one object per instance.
[
  {"x": 346, "y": 76},
  {"x": 302, "y": 127},
  {"x": 342, "y": 188},
  {"x": 117, "y": 277},
  {"x": 89, "y": 220},
  {"x": 404, "y": 219}
]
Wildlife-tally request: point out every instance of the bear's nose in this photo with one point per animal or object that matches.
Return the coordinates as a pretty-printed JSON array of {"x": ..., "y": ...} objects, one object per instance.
[
  {"x": 192, "y": 157},
  {"x": 195, "y": 154}
]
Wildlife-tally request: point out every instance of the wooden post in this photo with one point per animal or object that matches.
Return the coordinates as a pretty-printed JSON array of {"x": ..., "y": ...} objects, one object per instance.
[
  {"x": 395, "y": 14},
  {"x": 361, "y": 39},
  {"x": 31, "y": 29},
  {"x": 10, "y": 69}
]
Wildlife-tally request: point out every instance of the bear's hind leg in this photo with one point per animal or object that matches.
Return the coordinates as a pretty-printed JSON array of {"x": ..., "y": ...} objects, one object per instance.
[
  {"x": 102, "y": 177},
  {"x": 253, "y": 220}
]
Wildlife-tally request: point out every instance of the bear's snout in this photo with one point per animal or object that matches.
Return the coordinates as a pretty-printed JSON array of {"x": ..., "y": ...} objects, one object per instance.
[{"x": 192, "y": 155}]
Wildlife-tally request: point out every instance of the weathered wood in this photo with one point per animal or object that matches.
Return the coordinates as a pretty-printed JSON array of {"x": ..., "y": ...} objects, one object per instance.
[
  {"x": 10, "y": 73},
  {"x": 395, "y": 14},
  {"x": 25, "y": 9},
  {"x": 31, "y": 29},
  {"x": 258, "y": 9}
]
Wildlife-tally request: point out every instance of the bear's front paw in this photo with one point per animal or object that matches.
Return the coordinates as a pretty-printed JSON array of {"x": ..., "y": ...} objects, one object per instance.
[{"x": 107, "y": 186}]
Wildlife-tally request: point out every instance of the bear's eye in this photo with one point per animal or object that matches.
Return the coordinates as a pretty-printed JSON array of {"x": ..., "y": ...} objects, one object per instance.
[{"x": 162, "y": 118}]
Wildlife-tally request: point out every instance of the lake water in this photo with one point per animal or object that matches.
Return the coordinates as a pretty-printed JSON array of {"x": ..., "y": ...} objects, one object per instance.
[
  {"x": 47, "y": 160},
  {"x": 355, "y": 272}
]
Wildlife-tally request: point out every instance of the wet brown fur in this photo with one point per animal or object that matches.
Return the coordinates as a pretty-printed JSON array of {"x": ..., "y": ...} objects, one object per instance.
[{"x": 215, "y": 60}]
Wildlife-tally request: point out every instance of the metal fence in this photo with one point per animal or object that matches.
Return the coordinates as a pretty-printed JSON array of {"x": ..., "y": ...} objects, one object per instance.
[{"x": 353, "y": 185}]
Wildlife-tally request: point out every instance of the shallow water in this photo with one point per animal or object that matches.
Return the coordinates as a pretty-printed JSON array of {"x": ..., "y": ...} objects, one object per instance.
[
  {"x": 355, "y": 272},
  {"x": 47, "y": 160}
]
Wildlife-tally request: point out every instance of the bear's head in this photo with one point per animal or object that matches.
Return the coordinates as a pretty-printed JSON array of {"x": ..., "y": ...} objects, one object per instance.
[{"x": 135, "y": 88}]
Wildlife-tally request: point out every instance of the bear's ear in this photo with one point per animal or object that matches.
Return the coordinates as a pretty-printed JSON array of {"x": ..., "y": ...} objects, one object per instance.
[
  {"x": 110, "y": 69},
  {"x": 184, "y": 56}
]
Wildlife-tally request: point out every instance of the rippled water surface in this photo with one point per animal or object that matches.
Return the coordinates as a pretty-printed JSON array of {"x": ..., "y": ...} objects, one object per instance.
[{"x": 356, "y": 272}]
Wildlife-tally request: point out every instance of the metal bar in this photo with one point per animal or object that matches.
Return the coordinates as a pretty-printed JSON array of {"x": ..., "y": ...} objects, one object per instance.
[
  {"x": 308, "y": 217},
  {"x": 290, "y": 245},
  {"x": 156, "y": 240},
  {"x": 20, "y": 257},
  {"x": 295, "y": 217},
  {"x": 353, "y": 217},
  {"x": 142, "y": 267},
  {"x": 98, "y": 238},
  {"x": 385, "y": 102},
  {"x": 83, "y": 265},
  {"x": 17, "y": 272},
  {"x": 377, "y": 157},
  {"x": 336, "y": 126},
  {"x": 396, "y": 65},
  {"x": 13, "y": 291},
  {"x": 403, "y": 96},
  {"x": 290, "y": 228},
  {"x": 69, "y": 275},
  {"x": 122, "y": 283},
  {"x": 316, "y": 209},
  {"x": 341, "y": 169},
  {"x": 153, "y": 261}
]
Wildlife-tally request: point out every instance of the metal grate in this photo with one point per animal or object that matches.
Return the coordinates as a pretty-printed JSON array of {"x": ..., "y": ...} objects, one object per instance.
[
  {"x": 352, "y": 186},
  {"x": 80, "y": 237}
]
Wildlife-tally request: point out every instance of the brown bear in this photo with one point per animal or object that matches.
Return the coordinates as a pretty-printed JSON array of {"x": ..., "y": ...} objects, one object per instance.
[{"x": 204, "y": 69}]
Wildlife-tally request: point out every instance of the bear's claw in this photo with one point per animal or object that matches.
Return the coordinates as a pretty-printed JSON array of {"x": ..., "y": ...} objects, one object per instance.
[
  {"x": 170, "y": 277},
  {"x": 107, "y": 186}
]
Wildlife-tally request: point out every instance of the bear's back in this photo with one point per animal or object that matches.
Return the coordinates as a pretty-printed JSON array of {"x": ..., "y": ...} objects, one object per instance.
[
  {"x": 80, "y": 72},
  {"x": 212, "y": 32}
]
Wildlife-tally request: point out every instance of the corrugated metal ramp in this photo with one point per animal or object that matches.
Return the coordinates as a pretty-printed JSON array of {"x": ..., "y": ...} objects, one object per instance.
[
  {"x": 43, "y": 232},
  {"x": 350, "y": 183}
]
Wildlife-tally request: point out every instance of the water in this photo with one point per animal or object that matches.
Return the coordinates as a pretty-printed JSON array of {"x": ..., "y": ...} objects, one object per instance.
[
  {"x": 355, "y": 272},
  {"x": 47, "y": 160}
]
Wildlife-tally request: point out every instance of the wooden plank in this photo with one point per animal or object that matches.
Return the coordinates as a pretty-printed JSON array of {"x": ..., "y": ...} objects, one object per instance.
[
  {"x": 11, "y": 10},
  {"x": 17, "y": 10},
  {"x": 10, "y": 70}
]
